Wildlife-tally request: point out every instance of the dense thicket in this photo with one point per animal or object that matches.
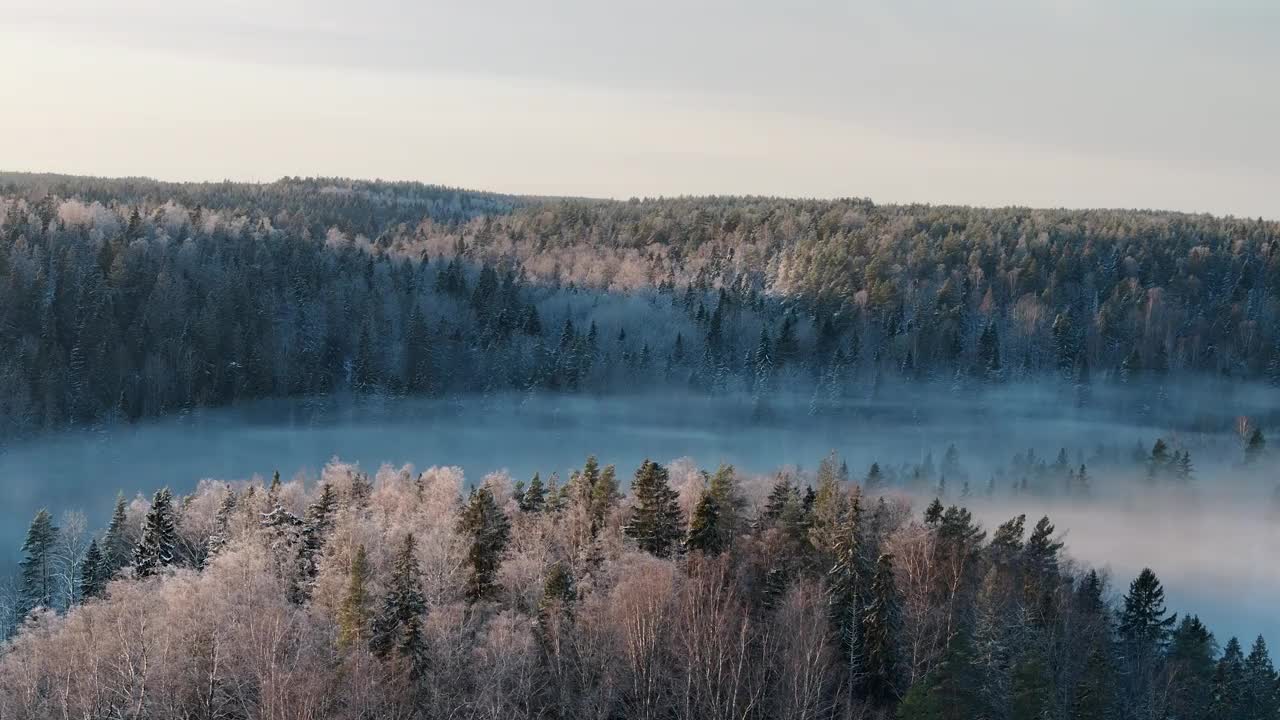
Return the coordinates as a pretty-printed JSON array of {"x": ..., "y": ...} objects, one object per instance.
[
  {"x": 699, "y": 595},
  {"x": 130, "y": 298}
]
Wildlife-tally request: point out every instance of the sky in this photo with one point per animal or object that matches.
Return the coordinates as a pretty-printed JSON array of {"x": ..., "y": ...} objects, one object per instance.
[{"x": 1171, "y": 104}]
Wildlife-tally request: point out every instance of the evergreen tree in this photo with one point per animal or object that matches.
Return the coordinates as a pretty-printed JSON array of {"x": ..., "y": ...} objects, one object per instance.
[
  {"x": 534, "y": 499},
  {"x": 847, "y": 580},
  {"x": 950, "y": 690},
  {"x": 1143, "y": 619},
  {"x": 1261, "y": 692},
  {"x": 1230, "y": 687},
  {"x": 398, "y": 625},
  {"x": 221, "y": 534},
  {"x": 704, "y": 528},
  {"x": 879, "y": 635},
  {"x": 159, "y": 537},
  {"x": 489, "y": 530},
  {"x": 604, "y": 498},
  {"x": 655, "y": 518},
  {"x": 729, "y": 502},
  {"x": 38, "y": 584},
  {"x": 92, "y": 582},
  {"x": 117, "y": 546},
  {"x": 874, "y": 478},
  {"x": 1190, "y": 665},
  {"x": 933, "y": 513},
  {"x": 316, "y": 526},
  {"x": 353, "y": 614},
  {"x": 1031, "y": 696},
  {"x": 782, "y": 493}
]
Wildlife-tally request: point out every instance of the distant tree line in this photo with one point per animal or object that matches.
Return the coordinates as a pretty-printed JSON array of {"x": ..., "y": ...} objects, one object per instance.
[
  {"x": 124, "y": 299},
  {"x": 693, "y": 594}
]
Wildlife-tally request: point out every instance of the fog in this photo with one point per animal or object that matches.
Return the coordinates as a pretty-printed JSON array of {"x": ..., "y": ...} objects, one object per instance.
[{"x": 1209, "y": 540}]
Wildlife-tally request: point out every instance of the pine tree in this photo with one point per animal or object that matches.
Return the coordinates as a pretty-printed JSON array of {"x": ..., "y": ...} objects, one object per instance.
[
  {"x": 1031, "y": 695},
  {"x": 729, "y": 502},
  {"x": 1143, "y": 619},
  {"x": 353, "y": 614},
  {"x": 1191, "y": 662},
  {"x": 398, "y": 625},
  {"x": 117, "y": 546},
  {"x": 704, "y": 528},
  {"x": 1230, "y": 686},
  {"x": 534, "y": 498},
  {"x": 489, "y": 530},
  {"x": 874, "y": 478},
  {"x": 221, "y": 534},
  {"x": 655, "y": 518},
  {"x": 38, "y": 584},
  {"x": 604, "y": 498},
  {"x": 92, "y": 582},
  {"x": 317, "y": 524},
  {"x": 781, "y": 494},
  {"x": 159, "y": 537},
  {"x": 1261, "y": 693},
  {"x": 879, "y": 634},
  {"x": 847, "y": 581},
  {"x": 933, "y": 513},
  {"x": 950, "y": 690}
]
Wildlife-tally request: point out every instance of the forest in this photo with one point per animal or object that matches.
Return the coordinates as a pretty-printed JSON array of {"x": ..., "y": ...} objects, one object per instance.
[
  {"x": 684, "y": 593},
  {"x": 132, "y": 299},
  {"x": 906, "y": 581}
]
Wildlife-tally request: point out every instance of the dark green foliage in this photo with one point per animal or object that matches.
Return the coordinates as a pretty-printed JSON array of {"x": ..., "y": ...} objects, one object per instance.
[
  {"x": 847, "y": 583},
  {"x": 880, "y": 634},
  {"x": 655, "y": 522},
  {"x": 534, "y": 498},
  {"x": 1143, "y": 620},
  {"x": 1190, "y": 666},
  {"x": 397, "y": 627},
  {"x": 488, "y": 529},
  {"x": 1230, "y": 685},
  {"x": 93, "y": 584},
  {"x": 38, "y": 584},
  {"x": 704, "y": 527},
  {"x": 221, "y": 534},
  {"x": 949, "y": 691},
  {"x": 118, "y": 545},
  {"x": 156, "y": 550}
]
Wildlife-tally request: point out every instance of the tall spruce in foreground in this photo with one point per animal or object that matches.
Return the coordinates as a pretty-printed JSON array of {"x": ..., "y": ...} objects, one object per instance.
[
  {"x": 655, "y": 518},
  {"x": 487, "y": 526},
  {"x": 704, "y": 527},
  {"x": 353, "y": 613},
  {"x": 159, "y": 537},
  {"x": 117, "y": 546},
  {"x": 879, "y": 635},
  {"x": 847, "y": 580},
  {"x": 398, "y": 624},
  {"x": 1143, "y": 619},
  {"x": 93, "y": 583},
  {"x": 37, "y": 566}
]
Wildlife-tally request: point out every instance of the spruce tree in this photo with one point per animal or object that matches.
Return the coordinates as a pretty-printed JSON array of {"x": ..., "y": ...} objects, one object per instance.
[
  {"x": 397, "y": 628},
  {"x": 353, "y": 613},
  {"x": 92, "y": 582},
  {"x": 1230, "y": 686},
  {"x": 782, "y": 493},
  {"x": 38, "y": 584},
  {"x": 950, "y": 690},
  {"x": 221, "y": 534},
  {"x": 879, "y": 635},
  {"x": 159, "y": 541},
  {"x": 604, "y": 498},
  {"x": 655, "y": 518},
  {"x": 117, "y": 546},
  {"x": 489, "y": 530},
  {"x": 1191, "y": 662},
  {"x": 1261, "y": 693},
  {"x": 1143, "y": 620},
  {"x": 704, "y": 528},
  {"x": 729, "y": 501},
  {"x": 317, "y": 524},
  {"x": 534, "y": 498},
  {"x": 846, "y": 581}
]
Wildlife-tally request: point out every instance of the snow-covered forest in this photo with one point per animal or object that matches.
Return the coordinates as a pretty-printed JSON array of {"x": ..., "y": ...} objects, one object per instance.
[
  {"x": 126, "y": 299},
  {"x": 692, "y": 594},
  {"x": 1114, "y": 372}
]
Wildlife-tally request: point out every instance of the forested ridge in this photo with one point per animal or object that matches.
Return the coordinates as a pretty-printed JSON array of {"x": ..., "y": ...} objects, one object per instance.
[
  {"x": 125, "y": 299},
  {"x": 687, "y": 594}
]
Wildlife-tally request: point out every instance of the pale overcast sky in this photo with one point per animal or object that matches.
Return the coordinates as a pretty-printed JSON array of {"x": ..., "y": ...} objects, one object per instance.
[{"x": 1119, "y": 103}]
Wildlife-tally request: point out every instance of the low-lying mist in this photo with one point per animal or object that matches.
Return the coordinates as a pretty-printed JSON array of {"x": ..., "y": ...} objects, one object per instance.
[{"x": 1014, "y": 450}]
